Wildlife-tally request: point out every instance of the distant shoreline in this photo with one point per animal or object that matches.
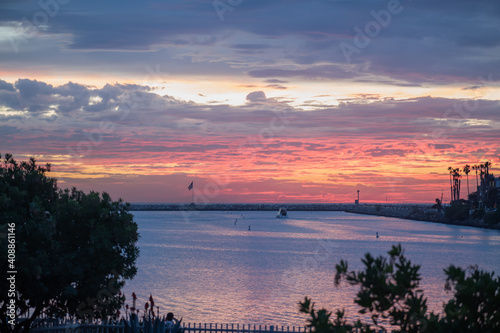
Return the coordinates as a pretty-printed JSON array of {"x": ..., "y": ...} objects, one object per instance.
[
  {"x": 417, "y": 212},
  {"x": 238, "y": 206}
]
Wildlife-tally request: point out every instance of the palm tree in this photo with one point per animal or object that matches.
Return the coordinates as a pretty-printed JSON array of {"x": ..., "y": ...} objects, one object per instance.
[
  {"x": 487, "y": 180},
  {"x": 456, "y": 183},
  {"x": 450, "y": 169},
  {"x": 482, "y": 175},
  {"x": 466, "y": 171},
  {"x": 487, "y": 166},
  {"x": 483, "y": 183},
  {"x": 476, "y": 167}
]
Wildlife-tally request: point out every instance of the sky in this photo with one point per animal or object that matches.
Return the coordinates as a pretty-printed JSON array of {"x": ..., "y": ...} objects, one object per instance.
[{"x": 252, "y": 100}]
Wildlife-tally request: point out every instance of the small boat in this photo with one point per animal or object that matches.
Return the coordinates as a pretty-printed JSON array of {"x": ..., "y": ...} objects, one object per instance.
[{"x": 282, "y": 213}]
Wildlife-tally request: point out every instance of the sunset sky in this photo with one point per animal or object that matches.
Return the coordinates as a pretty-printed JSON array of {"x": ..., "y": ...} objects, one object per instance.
[{"x": 252, "y": 100}]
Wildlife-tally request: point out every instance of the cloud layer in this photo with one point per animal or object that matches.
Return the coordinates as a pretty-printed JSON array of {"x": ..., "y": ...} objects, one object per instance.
[
  {"x": 405, "y": 42},
  {"x": 282, "y": 100},
  {"x": 265, "y": 149}
]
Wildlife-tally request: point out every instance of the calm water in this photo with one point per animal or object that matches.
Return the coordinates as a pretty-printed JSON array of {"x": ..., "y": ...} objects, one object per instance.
[{"x": 205, "y": 268}]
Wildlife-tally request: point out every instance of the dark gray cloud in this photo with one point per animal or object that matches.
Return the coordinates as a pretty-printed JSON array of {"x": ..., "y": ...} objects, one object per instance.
[
  {"x": 10, "y": 99},
  {"x": 78, "y": 96},
  {"x": 315, "y": 72},
  {"x": 275, "y": 81},
  {"x": 31, "y": 89},
  {"x": 6, "y": 86},
  {"x": 437, "y": 119},
  {"x": 379, "y": 152},
  {"x": 442, "y": 146},
  {"x": 426, "y": 41},
  {"x": 36, "y": 96},
  {"x": 256, "y": 96}
]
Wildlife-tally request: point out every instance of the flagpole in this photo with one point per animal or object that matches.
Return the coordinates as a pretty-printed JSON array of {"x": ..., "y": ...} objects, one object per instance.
[{"x": 190, "y": 187}]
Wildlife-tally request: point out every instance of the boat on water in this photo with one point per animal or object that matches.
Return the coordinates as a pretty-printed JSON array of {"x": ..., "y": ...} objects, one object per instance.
[{"x": 282, "y": 213}]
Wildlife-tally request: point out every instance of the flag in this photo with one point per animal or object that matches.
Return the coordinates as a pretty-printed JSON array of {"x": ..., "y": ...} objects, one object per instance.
[{"x": 190, "y": 186}]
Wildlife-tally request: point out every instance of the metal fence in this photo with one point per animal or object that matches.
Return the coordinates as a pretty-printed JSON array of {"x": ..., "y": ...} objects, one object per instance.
[
  {"x": 73, "y": 327},
  {"x": 67, "y": 327},
  {"x": 243, "y": 328}
]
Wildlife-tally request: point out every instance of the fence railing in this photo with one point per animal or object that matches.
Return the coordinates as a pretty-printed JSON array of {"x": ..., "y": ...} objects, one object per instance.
[
  {"x": 118, "y": 327},
  {"x": 62, "y": 327},
  {"x": 243, "y": 328}
]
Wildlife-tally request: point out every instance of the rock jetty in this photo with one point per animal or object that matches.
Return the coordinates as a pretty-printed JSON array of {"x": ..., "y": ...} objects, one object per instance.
[
  {"x": 412, "y": 212},
  {"x": 240, "y": 206},
  {"x": 416, "y": 212}
]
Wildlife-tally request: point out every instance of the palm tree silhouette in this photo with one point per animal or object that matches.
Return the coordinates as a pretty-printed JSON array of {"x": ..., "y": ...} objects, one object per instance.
[
  {"x": 476, "y": 167},
  {"x": 450, "y": 169},
  {"x": 456, "y": 184},
  {"x": 466, "y": 171},
  {"x": 481, "y": 175},
  {"x": 487, "y": 166}
]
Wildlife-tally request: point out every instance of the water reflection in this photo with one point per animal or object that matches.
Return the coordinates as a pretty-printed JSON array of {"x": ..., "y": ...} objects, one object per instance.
[{"x": 211, "y": 269}]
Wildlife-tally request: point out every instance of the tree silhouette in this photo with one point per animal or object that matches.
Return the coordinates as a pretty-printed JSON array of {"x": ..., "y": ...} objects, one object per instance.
[
  {"x": 467, "y": 171},
  {"x": 450, "y": 169},
  {"x": 73, "y": 251},
  {"x": 389, "y": 292}
]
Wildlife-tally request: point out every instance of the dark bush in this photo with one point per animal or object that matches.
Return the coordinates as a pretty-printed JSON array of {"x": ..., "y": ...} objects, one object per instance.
[
  {"x": 456, "y": 213},
  {"x": 492, "y": 217},
  {"x": 478, "y": 213},
  {"x": 389, "y": 291}
]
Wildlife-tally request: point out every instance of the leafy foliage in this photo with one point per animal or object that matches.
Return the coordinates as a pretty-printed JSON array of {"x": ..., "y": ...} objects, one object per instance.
[
  {"x": 475, "y": 306},
  {"x": 456, "y": 212},
  {"x": 319, "y": 321},
  {"x": 492, "y": 217},
  {"x": 150, "y": 322},
  {"x": 389, "y": 293},
  {"x": 150, "y": 325},
  {"x": 73, "y": 250}
]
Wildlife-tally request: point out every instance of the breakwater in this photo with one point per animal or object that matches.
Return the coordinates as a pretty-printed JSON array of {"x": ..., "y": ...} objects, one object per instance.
[
  {"x": 412, "y": 212},
  {"x": 417, "y": 212},
  {"x": 409, "y": 212},
  {"x": 240, "y": 206}
]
